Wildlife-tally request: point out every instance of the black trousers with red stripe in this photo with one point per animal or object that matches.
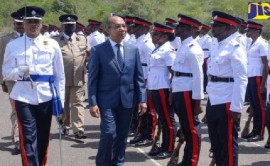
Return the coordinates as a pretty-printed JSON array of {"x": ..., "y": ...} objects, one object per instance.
[
  {"x": 257, "y": 102},
  {"x": 183, "y": 105},
  {"x": 34, "y": 123},
  {"x": 147, "y": 122},
  {"x": 223, "y": 134},
  {"x": 166, "y": 116}
]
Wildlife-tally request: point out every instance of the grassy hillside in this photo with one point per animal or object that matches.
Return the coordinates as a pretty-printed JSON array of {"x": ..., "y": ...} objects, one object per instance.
[{"x": 153, "y": 10}]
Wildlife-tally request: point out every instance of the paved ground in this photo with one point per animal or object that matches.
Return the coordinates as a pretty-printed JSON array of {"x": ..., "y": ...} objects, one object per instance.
[{"x": 82, "y": 153}]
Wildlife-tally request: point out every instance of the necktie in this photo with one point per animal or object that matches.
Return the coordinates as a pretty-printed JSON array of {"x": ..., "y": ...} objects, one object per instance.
[{"x": 119, "y": 56}]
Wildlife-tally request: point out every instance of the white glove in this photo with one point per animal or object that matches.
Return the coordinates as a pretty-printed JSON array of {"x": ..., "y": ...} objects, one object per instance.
[{"x": 24, "y": 69}]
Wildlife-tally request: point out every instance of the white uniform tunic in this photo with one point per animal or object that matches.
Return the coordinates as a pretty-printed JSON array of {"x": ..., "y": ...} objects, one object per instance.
[
  {"x": 228, "y": 59},
  {"x": 255, "y": 51},
  {"x": 189, "y": 59},
  {"x": 145, "y": 46},
  {"x": 159, "y": 75},
  {"x": 176, "y": 43},
  {"x": 268, "y": 79},
  {"x": 205, "y": 42},
  {"x": 131, "y": 39},
  {"x": 96, "y": 38},
  {"x": 43, "y": 56}
]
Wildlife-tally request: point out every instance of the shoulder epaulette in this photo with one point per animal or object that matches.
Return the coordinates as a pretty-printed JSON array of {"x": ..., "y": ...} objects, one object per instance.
[
  {"x": 235, "y": 43},
  {"x": 190, "y": 44},
  {"x": 6, "y": 35}
]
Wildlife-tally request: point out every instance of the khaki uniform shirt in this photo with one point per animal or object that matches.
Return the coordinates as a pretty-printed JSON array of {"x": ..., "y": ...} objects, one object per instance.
[
  {"x": 4, "y": 40},
  {"x": 74, "y": 58}
]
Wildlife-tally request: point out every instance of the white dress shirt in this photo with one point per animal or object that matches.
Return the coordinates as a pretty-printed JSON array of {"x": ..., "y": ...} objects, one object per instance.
[
  {"x": 189, "y": 59},
  {"x": 159, "y": 75},
  {"x": 176, "y": 43},
  {"x": 96, "y": 38},
  {"x": 205, "y": 42},
  {"x": 43, "y": 56},
  {"x": 145, "y": 46},
  {"x": 115, "y": 48},
  {"x": 228, "y": 59},
  {"x": 255, "y": 51}
]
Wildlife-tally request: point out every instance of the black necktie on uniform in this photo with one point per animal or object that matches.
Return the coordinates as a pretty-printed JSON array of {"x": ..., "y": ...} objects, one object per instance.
[{"x": 119, "y": 56}]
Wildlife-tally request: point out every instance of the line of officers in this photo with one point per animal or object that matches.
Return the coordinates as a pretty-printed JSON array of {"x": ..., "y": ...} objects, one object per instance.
[{"x": 180, "y": 62}]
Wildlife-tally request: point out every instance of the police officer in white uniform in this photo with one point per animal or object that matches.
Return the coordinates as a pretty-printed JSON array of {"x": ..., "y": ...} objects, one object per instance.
[
  {"x": 227, "y": 70},
  {"x": 205, "y": 42},
  {"x": 159, "y": 84},
  {"x": 145, "y": 45},
  {"x": 130, "y": 37},
  {"x": 187, "y": 87},
  {"x": 95, "y": 36},
  {"x": 36, "y": 63},
  {"x": 257, "y": 77},
  {"x": 177, "y": 41}
]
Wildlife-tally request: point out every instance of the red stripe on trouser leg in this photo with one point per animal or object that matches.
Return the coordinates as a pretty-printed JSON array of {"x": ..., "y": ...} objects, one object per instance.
[
  {"x": 153, "y": 115},
  {"x": 23, "y": 153},
  {"x": 258, "y": 82},
  {"x": 230, "y": 135},
  {"x": 167, "y": 117},
  {"x": 193, "y": 131}
]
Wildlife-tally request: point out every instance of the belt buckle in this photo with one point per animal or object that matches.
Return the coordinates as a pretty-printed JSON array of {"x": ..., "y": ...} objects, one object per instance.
[{"x": 214, "y": 79}]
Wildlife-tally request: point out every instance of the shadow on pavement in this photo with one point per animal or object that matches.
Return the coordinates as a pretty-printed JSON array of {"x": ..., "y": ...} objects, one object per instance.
[
  {"x": 261, "y": 163},
  {"x": 251, "y": 150},
  {"x": 6, "y": 146},
  {"x": 91, "y": 128}
]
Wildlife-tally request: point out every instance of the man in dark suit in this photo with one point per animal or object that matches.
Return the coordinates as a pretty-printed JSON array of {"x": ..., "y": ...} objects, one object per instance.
[{"x": 115, "y": 78}]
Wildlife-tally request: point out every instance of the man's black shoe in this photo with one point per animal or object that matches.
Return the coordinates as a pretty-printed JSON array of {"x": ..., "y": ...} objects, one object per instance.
[
  {"x": 182, "y": 163},
  {"x": 135, "y": 140},
  {"x": 80, "y": 135},
  {"x": 247, "y": 136},
  {"x": 154, "y": 152},
  {"x": 131, "y": 133},
  {"x": 145, "y": 142},
  {"x": 255, "y": 138},
  {"x": 267, "y": 145},
  {"x": 163, "y": 155},
  {"x": 65, "y": 131}
]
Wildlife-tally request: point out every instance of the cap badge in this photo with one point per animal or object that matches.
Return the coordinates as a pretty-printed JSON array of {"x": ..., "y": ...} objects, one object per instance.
[
  {"x": 33, "y": 12},
  {"x": 68, "y": 18},
  {"x": 214, "y": 18}
]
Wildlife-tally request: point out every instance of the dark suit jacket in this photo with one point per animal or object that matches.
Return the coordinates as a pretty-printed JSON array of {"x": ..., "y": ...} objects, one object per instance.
[{"x": 108, "y": 85}]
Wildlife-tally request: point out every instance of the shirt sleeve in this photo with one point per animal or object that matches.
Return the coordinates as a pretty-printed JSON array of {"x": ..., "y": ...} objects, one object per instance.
[
  {"x": 239, "y": 66},
  {"x": 10, "y": 69},
  {"x": 263, "y": 48},
  {"x": 169, "y": 58},
  {"x": 196, "y": 60},
  {"x": 59, "y": 73}
]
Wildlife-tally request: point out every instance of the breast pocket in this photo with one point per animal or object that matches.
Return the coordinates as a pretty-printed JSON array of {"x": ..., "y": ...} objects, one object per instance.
[
  {"x": 220, "y": 63},
  {"x": 43, "y": 57},
  {"x": 23, "y": 59},
  {"x": 181, "y": 58}
]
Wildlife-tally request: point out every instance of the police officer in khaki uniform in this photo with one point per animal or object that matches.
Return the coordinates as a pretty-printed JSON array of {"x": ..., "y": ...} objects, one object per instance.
[
  {"x": 8, "y": 84},
  {"x": 74, "y": 49}
]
